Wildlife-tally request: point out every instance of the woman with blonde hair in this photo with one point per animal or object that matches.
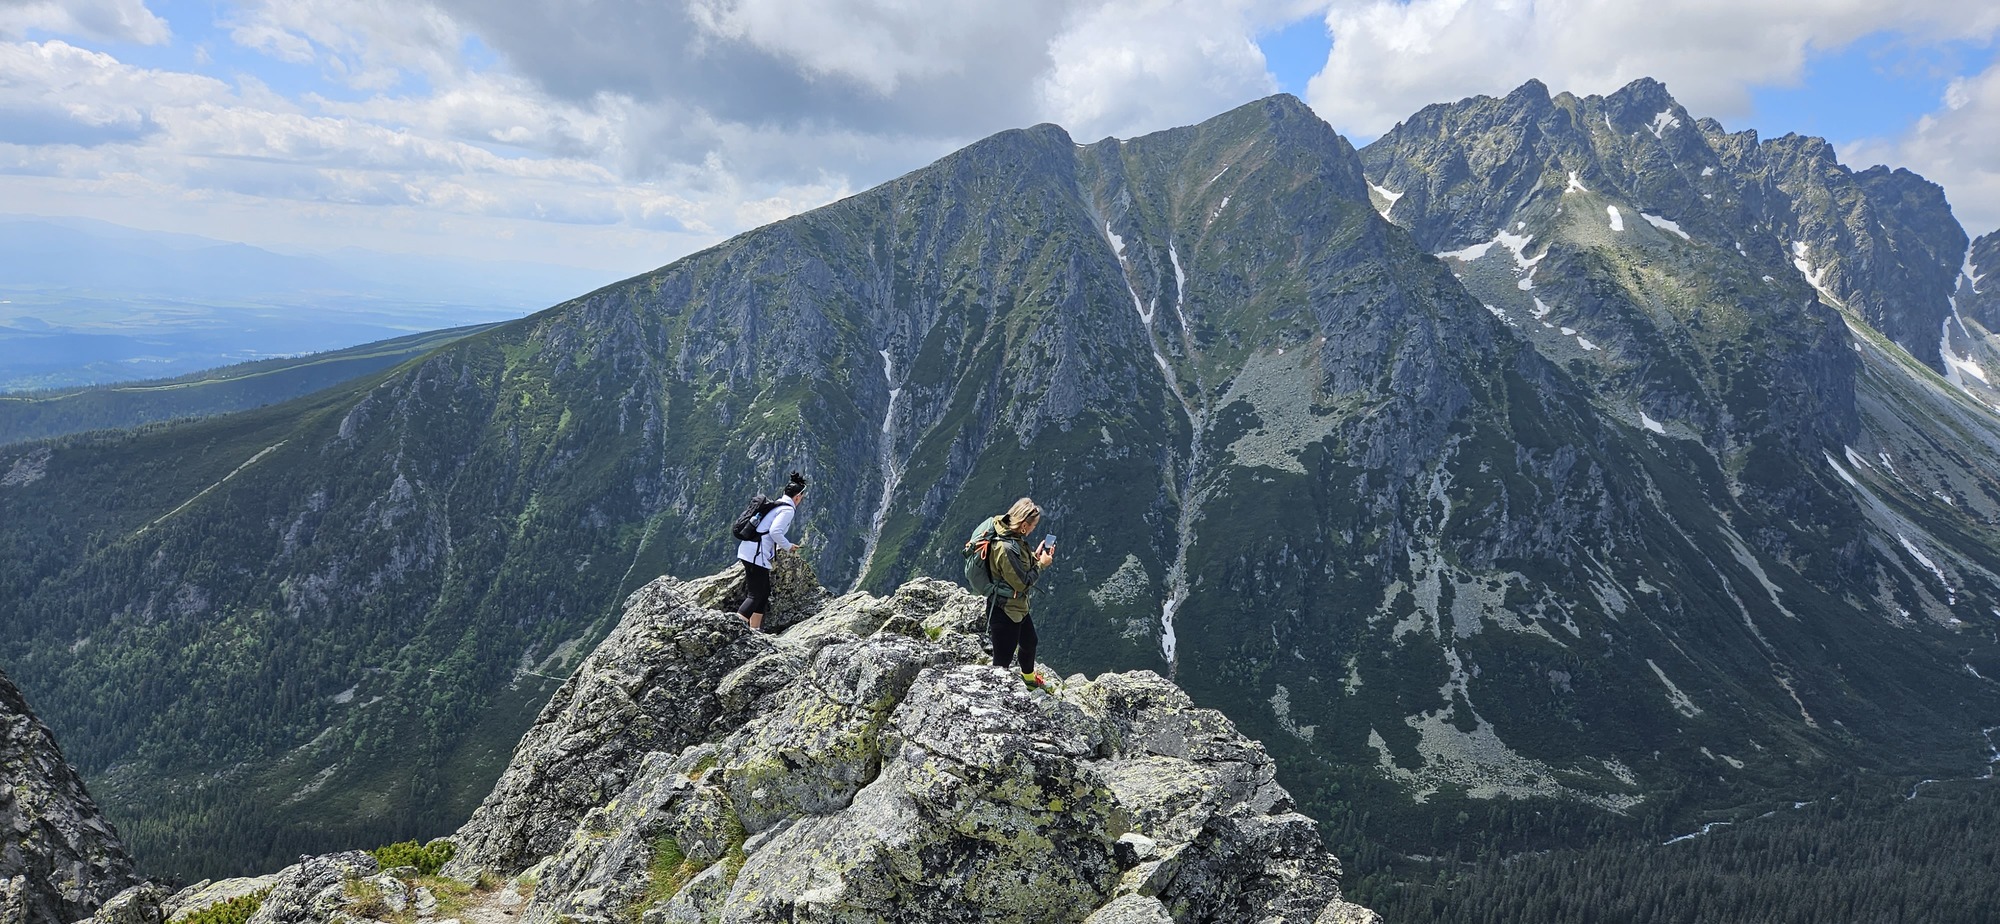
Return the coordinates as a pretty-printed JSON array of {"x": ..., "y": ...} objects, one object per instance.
[{"x": 1013, "y": 568}]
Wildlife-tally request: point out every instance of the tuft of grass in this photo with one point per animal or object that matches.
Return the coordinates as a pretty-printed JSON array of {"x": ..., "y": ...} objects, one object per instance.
[
  {"x": 733, "y": 857},
  {"x": 669, "y": 873},
  {"x": 365, "y": 898}
]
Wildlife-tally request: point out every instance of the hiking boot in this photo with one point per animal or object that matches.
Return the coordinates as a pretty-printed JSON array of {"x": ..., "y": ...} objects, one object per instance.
[{"x": 1035, "y": 681}]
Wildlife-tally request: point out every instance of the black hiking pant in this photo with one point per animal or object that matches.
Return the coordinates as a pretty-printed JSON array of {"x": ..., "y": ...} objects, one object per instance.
[
  {"x": 757, "y": 580},
  {"x": 1010, "y": 636}
]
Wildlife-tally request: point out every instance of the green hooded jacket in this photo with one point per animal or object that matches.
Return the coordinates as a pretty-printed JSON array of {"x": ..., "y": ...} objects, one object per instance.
[{"x": 1010, "y": 563}]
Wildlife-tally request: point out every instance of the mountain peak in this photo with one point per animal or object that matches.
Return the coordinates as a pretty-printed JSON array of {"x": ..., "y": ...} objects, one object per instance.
[
  {"x": 1643, "y": 91},
  {"x": 1534, "y": 91}
]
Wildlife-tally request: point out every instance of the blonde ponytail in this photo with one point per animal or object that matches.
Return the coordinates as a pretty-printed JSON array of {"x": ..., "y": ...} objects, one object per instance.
[{"x": 1023, "y": 512}]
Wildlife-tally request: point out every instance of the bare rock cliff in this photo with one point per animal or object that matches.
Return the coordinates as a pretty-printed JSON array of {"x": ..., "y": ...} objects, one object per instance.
[{"x": 59, "y": 859}]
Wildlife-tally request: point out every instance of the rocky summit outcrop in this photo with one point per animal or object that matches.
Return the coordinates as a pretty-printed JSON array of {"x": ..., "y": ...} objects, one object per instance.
[
  {"x": 866, "y": 764},
  {"x": 59, "y": 859}
]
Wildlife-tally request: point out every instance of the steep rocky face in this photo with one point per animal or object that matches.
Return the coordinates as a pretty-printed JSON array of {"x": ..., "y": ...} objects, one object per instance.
[
  {"x": 1971, "y": 353},
  {"x": 1627, "y": 240},
  {"x": 1757, "y": 318},
  {"x": 59, "y": 858},
  {"x": 1979, "y": 296},
  {"x": 1736, "y": 294}
]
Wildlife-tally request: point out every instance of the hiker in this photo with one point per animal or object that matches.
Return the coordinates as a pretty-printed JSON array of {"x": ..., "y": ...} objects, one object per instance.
[
  {"x": 1007, "y": 618},
  {"x": 756, "y": 554}
]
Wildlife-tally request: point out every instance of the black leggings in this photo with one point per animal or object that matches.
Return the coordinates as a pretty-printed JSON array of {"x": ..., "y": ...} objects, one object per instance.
[
  {"x": 1009, "y": 635},
  {"x": 758, "y": 580}
]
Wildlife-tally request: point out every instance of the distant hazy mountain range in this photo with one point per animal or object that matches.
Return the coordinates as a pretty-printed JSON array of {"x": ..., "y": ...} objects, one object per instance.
[
  {"x": 85, "y": 302},
  {"x": 52, "y": 412},
  {"x": 1553, "y": 466}
]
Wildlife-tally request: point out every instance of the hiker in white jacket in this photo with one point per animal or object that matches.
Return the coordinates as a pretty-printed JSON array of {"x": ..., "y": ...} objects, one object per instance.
[{"x": 756, "y": 555}]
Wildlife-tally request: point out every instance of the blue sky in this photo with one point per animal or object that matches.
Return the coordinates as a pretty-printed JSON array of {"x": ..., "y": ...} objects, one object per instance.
[{"x": 621, "y": 134}]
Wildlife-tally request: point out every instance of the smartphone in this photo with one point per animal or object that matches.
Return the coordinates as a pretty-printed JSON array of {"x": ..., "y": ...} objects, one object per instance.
[{"x": 1049, "y": 543}]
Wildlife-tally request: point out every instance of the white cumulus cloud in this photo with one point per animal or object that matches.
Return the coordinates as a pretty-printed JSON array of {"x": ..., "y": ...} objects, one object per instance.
[
  {"x": 1957, "y": 146},
  {"x": 106, "y": 20},
  {"x": 1391, "y": 58}
]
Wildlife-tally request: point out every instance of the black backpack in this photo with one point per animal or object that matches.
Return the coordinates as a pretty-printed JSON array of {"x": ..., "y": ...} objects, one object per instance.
[{"x": 745, "y": 527}]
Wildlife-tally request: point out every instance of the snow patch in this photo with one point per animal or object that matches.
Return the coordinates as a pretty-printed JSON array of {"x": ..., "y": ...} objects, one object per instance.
[
  {"x": 1586, "y": 344},
  {"x": 1518, "y": 243},
  {"x": 1617, "y": 220},
  {"x": 1708, "y": 171},
  {"x": 1541, "y": 310},
  {"x": 1469, "y": 254},
  {"x": 1665, "y": 224},
  {"x": 1576, "y": 185},
  {"x": 1958, "y": 368},
  {"x": 1225, "y": 169},
  {"x": 1951, "y": 595},
  {"x": 1662, "y": 122},
  {"x": 346, "y": 696},
  {"x": 1388, "y": 195},
  {"x": 1816, "y": 277},
  {"x": 1651, "y": 424},
  {"x": 1569, "y": 331}
]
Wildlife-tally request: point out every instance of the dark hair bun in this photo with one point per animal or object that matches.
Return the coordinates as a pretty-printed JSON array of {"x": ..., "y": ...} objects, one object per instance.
[{"x": 798, "y": 478}]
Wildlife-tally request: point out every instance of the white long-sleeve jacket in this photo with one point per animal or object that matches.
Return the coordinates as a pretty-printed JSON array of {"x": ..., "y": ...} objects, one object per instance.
[{"x": 773, "y": 526}]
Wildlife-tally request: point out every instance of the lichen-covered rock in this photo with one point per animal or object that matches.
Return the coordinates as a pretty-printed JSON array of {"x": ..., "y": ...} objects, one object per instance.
[
  {"x": 653, "y": 684},
  {"x": 59, "y": 858},
  {"x": 1131, "y": 909},
  {"x": 867, "y": 765},
  {"x": 206, "y": 893},
  {"x": 795, "y": 591},
  {"x": 140, "y": 904},
  {"x": 864, "y": 764},
  {"x": 315, "y": 889}
]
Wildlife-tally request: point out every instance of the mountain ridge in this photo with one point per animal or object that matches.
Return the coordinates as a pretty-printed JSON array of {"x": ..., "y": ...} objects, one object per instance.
[{"x": 1174, "y": 342}]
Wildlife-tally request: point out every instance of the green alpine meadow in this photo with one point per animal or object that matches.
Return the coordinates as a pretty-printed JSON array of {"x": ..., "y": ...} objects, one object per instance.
[{"x": 1550, "y": 474}]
